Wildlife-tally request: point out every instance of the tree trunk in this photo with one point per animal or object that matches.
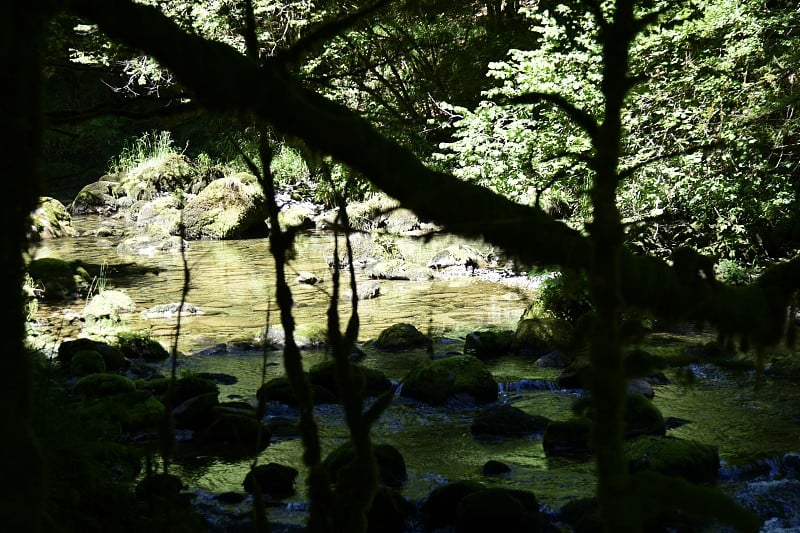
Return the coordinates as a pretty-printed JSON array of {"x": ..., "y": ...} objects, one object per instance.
[{"x": 21, "y": 28}]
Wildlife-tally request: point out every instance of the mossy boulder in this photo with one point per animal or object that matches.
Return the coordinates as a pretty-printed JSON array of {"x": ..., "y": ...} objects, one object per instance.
[
  {"x": 389, "y": 512},
  {"x": 228, "y": 208},
  {"x": 457, "y": 255},
  {"x": 103, "y": 315},
  {"x": 568, "y": 438},
  {"x": 185, "y": 387},
  {"x": 87, "y": 362},
  {"x": 159, "y": 487},
  {"x": 641, "y": 417},
  {"x": 141, "y": 346},
  {"x": 369, "y": 382},
  {"x": 311, "y": 336},
  {"x": 398, "y": 269},
  {"x": 538, "y": 336},
  {"x": 498, "y": 509},
  {"x": 506, "y": 419},
  {"x": 275, "y": 480},
  {"x": 439, "y": 508},
  {"x": 577, "y": 375},
  {"x": 694, "y": 461},
  {"x": 296, "y": 216},
  {"x": 96, "y": 197},
  {"x": 488, "y": 344},
  {"x": 103, "y": 385},
  {"x": 235, "y": 435},
  {"x": 196, "y": 412},
  {"x": 493, "y": 467},
  {"x": 131, "y": 411},
  {"x": 279, "y": 390},
  {"x": 402, "y": 336},
  {"x": 391, "y": 465},
  {"x": 50, "y": 220},
  {"x": 435, "y": 382},
  {"x": 112, "y": 356},
  {"x": 60, "y": 279}
]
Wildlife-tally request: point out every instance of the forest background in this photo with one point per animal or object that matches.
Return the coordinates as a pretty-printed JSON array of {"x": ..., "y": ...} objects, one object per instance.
[{"x": 611, "y": 134}]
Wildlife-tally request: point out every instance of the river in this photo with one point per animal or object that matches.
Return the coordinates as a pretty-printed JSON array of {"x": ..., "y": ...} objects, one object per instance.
[{"x": 753, "y": 420}]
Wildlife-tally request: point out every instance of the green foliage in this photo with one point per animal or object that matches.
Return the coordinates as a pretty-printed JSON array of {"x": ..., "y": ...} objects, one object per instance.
[
  {"x": 711, "y": 147},
  {"x": 148, "y": 149},
  {"x": 564, "y": 296}
]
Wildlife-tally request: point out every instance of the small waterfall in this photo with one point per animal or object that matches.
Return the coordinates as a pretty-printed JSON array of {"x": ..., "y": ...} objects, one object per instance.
[
  {"x": 526, "y": 385},
  {"x": 766, "y": 469}
]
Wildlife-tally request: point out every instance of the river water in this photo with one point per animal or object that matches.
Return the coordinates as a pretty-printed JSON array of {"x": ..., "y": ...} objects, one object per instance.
[{"x": 753, "y": 420}]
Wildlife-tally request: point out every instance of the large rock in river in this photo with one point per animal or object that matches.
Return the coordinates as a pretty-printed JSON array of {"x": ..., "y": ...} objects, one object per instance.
[
  {"x": 435, "y": 382},
  {"x": 402, "y": 336},
  {"x": 229, "y": 208}
]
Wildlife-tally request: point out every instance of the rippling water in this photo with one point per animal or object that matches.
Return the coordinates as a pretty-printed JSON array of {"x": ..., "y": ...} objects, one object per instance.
[{"x": 752, "y": 420}]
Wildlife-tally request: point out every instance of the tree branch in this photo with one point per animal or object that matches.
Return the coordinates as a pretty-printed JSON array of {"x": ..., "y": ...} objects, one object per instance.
[
  {"x": 224, "y": 80},
  {"x": 579, "y": 116}
]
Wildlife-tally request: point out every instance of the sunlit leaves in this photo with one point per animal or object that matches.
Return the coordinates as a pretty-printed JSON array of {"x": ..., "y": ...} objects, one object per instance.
[{"x": 712, "y": 140}]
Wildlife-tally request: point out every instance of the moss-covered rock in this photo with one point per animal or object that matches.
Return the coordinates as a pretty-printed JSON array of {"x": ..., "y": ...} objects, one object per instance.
[
  {"x": 370, "y": 382},
  {"x": 103, "y": 385},
  {"x": 130, "y": 411},
  {"x": 582, "y": 515},
  {"x": 186, "y": 387},
  {"x": 235, "y": 435},
  {"x": 228, "y": 208},
  {"x": 435, "y": 382},
  {"x": 112, "y": 356},
  {"x": 402, "y": 336},
  {"x": 457, "y": 255},
  {"x": 96, "y": 197},
  {"x": 577, "y": 375},
  {"x": 50, "y": 220},
  {"x": 398, "y": 269},
  {"x": 439, "y": 508},
  {"x": 506, "y": 419},
  {"x": 311, "y": 336},
  {"x": 538, "y": 336},
  {"x": 141, "y": 346},
  {"x": 279, "y": 390},
  {"x": 296, "y": 216},
  {"x": 641, "y": 417},
  {"x": 498, "y": 509},
  {"x": 160, "y": 487},
  {"x": 391, "y": 465},
  {"x": 196, "y": 412},
  {"x": 274, "y": 480},
  {"x": 389, "y": 512},
  {"x": 694, "y": 461},
  {"x": 488, "y": 344},
  {"x": 87, "y": 362},
  {"x": 60, "y": 279},
  {"x": 568, "y": 438},
  {"x": 103, "y": 315}
]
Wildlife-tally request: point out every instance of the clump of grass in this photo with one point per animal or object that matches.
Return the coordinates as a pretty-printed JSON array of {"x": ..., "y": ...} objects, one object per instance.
[{"x": 151, "y": 147}]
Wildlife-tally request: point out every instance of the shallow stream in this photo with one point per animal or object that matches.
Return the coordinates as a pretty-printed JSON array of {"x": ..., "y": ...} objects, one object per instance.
[{"x": 752, "y": 420}]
